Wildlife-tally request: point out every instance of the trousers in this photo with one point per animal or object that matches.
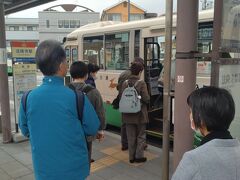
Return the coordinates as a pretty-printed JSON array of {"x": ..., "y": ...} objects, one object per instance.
[{"x": 136, "y": 140}]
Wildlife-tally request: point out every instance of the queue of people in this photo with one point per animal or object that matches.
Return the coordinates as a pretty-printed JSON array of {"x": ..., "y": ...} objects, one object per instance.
[{"x": 62, "y": 123}]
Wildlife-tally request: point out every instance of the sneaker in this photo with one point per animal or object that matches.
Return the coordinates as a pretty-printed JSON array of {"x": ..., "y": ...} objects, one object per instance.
[{"x": 140, "y": 160}]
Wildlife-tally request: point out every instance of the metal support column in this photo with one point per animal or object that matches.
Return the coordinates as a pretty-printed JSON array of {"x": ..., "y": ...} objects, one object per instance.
[
  {"x": 166, "y": 89},
  {"x": 187, "y": 27},
  {"x": 4, "y": 93},
  {"x": 216, "y": 42}
]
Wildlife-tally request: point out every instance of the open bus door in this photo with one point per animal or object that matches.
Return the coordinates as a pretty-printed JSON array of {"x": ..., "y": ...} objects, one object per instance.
[{"x": 152, "y": 71}]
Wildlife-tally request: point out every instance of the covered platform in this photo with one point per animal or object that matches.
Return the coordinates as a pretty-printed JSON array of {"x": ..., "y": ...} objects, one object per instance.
[{"x": 111, "y": 163}]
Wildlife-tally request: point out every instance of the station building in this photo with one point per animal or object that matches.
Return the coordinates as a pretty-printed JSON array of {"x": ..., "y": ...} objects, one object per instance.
[{"x": 58, "y": 21}]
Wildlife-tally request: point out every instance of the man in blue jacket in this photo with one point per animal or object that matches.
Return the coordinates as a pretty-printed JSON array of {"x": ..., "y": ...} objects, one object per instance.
[{"x": 57, "y": 136}]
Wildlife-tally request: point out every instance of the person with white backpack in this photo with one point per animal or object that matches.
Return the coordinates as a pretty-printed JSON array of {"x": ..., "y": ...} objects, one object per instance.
[{"x": 133, "y": 105}]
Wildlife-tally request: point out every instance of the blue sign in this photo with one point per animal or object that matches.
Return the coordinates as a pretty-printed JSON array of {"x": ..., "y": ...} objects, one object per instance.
[{"x": 27, "y": 60}]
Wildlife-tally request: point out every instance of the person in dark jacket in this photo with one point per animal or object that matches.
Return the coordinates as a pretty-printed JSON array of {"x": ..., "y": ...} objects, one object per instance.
[
  {"x": 136, "y": 122},
  {"x": 79, "y": 73},
  {"x": 212, "y": 110},
  {"x": 123, "y": 77},
  {"x": 92, "y": 74}
]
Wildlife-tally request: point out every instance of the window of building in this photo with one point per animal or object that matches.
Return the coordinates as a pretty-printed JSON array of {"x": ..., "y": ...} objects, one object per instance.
[
  {"x": 66, "y": 23},
  {"x": 93, "y": 50},
  {"x": 24, "y": 28},
  {"x": 117, "y": 51},
  {"x": 74, "y": 23},
  {"x": 47, "y": 23},
  {"x": 134, "y": 17},
  {"x": 60, "y": 23},
  {"x": 29, "y": 28},
  {"x": 13, "y": 28},
  {"x": 114, "y": 17},
  {"x": 34, "y": 28}
]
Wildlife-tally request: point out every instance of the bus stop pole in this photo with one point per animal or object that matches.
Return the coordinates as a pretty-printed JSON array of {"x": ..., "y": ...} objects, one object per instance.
[
  {"x": 4, "y": 92},
  {"x": 166, "y": 88},
  {"x": 185, "y": 79}
]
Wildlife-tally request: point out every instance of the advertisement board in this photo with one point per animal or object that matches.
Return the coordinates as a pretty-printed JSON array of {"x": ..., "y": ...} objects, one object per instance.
[
  {"x": 229, "y": 78},
  {"x": 25, "y": 78}
]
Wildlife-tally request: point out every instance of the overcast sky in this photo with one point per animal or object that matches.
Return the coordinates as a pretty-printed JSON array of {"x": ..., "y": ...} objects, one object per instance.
[{"x": 155, "y": 6}]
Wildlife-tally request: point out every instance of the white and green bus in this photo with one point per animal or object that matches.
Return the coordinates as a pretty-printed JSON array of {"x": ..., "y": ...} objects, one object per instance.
[{"x": 113, "y": 46}]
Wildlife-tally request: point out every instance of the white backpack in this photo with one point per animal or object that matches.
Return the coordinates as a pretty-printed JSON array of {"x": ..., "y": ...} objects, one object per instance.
[{"x": 130, "y": 100}]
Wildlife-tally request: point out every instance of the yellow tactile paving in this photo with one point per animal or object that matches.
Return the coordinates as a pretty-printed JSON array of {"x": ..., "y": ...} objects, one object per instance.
[
  {"x": 97, "y": 166},
  {"x": 114, "y": 155},
  {"x": 121, "y": 155},
  {"x": 111, "y": 150},
  {"x": 108, "y": 161}
]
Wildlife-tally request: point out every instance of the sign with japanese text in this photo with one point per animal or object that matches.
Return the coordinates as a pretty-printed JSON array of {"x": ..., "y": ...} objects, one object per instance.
[
  {"x": 23, "y": 49},
  {"x": 229, "y": 78},
  {"x": 25, "y": 78}
]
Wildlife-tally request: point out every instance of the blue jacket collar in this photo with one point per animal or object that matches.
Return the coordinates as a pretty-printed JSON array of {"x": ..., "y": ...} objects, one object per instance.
[{"x": 53, "y": 80}]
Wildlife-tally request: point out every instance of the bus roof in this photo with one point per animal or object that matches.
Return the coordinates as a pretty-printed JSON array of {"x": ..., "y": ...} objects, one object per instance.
[{"x": 108, "y": 26}]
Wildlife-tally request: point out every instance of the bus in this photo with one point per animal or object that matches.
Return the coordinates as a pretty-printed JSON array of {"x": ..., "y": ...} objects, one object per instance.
[{"x": 113, "y": 46}]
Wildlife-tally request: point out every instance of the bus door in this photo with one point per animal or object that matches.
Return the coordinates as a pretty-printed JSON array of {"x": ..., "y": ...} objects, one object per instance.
[
  {"x": 71, "y": 56},
  {"x": 152, "y": 71},
  {"x": 74, "y": 54}
]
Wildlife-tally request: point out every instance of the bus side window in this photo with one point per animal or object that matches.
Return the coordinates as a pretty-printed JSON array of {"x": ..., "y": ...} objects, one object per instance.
[
  {"x": 93, "y": 51},
  {"x": 117, "y": 51},
  {"x": 74, "y": 54}
]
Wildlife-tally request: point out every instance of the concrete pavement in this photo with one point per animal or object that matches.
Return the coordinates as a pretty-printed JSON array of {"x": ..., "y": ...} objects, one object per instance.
[{"x": 110, "y": 162}]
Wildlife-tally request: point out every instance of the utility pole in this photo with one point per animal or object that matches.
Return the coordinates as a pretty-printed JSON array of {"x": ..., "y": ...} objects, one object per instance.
[
  {"x": 187, "y": 28},
  {"x": 4, "y": 93},
  {"x": 129, "y": 13},
  {"x": 166, "y": 88}
]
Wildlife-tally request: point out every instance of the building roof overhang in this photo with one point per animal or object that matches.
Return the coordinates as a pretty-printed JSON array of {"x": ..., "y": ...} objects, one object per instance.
[{"x": 12, "y": 6}]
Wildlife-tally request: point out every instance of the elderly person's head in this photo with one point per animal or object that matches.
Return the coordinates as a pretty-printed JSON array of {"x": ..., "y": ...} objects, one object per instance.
[
  {"x": 51, "y": 58},
  {"x": 212, "y": 109}
]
